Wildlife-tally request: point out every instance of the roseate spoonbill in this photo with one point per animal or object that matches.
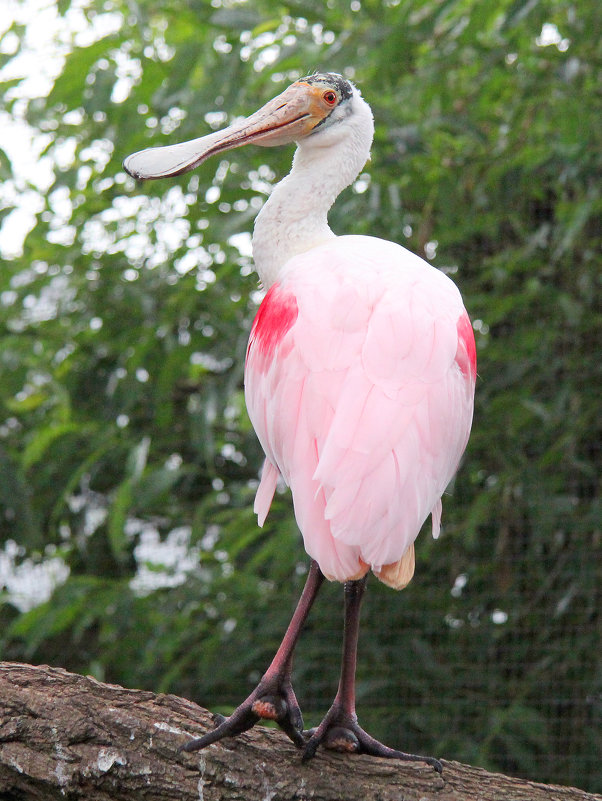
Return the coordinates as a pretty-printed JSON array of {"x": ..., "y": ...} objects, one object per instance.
[{"x": 359, "y": 381}]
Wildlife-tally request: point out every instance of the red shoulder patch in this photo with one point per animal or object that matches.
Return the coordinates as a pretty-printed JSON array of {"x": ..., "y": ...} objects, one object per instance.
[
  {"x": 275, "y": 316},
  {"x": 466, "y": 354}
]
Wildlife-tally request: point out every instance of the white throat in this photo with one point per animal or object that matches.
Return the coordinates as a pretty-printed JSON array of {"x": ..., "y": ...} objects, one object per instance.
[{"x": 295, "y": 216}]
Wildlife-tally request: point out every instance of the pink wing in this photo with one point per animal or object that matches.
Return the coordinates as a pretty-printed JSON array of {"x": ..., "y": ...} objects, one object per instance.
[{"x": 359, "y": 382}]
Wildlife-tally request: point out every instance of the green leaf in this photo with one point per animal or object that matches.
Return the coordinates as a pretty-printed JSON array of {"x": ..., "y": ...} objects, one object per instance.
[{"x": 43, "y": 440}]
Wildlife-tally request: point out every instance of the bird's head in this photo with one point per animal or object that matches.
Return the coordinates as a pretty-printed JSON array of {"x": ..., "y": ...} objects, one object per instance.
[{"x": 317, "y": 110}]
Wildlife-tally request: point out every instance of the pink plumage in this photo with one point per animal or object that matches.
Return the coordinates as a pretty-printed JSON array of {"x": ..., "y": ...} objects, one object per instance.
[{"x": 359, "y": 382}]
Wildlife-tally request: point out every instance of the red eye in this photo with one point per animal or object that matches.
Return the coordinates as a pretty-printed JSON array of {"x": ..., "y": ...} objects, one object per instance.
[{"x": 330, "y": 98}]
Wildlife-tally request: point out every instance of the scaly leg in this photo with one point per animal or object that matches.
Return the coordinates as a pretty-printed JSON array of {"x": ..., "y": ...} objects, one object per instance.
[
  {"x": 274, "y": 697},
  {"x": 340, "y": 730}
]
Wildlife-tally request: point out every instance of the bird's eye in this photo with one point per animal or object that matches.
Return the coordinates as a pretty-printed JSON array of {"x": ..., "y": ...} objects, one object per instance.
[{"x": 330, "y": 97}]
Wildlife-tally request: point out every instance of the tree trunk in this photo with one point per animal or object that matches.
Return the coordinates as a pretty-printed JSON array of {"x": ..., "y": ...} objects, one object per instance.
[{"x": 69, "y": 736}]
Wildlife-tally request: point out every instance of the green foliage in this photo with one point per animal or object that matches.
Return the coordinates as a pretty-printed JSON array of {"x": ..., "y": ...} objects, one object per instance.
[{"x": 124, "y": 322}]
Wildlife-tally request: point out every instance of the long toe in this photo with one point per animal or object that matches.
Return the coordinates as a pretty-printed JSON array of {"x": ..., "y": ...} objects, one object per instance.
[
  {"x": 242, "y": 719},
  {"x": 368, "y": 745}
]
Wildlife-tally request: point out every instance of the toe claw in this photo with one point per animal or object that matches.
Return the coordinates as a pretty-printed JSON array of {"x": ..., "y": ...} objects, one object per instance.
[
  {"x": 310, "y": 749},
  {"x": 434, "y": 763}
]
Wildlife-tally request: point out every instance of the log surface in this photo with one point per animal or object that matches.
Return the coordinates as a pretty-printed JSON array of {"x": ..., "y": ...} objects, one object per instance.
[{"x": 69, "y": 736}]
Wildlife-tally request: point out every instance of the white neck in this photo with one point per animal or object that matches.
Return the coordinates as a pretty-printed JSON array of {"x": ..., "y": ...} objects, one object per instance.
[{"x": 294, "y": 218}]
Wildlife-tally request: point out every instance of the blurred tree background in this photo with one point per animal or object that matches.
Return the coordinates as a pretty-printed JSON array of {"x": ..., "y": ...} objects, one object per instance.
[{"x": 128, "y": 547}]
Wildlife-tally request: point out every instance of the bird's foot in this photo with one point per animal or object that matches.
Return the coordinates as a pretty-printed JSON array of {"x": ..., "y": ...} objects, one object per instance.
[
  {"x": 272, "y": 699},
  {"x": 340, "y": 731}
]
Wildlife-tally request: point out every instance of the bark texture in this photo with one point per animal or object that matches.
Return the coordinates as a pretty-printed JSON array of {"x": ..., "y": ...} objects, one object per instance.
[{"x": 69, "y": 736}]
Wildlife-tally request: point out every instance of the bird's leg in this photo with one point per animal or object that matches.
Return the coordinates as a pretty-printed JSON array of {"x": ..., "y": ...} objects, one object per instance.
[
  {"x": 274, "y": 697},
  {"x": 340, "y": 730}
]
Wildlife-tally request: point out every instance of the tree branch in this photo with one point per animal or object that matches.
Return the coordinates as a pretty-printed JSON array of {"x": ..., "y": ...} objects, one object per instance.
[{"x": 64, "y": 735}]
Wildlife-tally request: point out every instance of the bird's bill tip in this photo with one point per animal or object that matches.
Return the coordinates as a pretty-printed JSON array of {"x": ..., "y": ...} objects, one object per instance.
[{"x": 171, "y": 160}]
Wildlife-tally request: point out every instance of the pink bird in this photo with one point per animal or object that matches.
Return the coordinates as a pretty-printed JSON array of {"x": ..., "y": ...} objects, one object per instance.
[{"x": 359, "y": 381}]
